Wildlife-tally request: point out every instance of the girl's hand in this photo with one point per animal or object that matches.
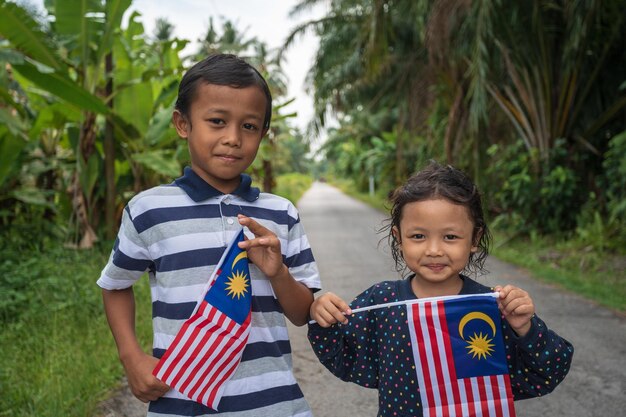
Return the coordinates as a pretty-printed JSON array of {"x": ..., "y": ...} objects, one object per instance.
[
  {"x": 517, "y": 308},
  {"x": 264, "y": 249},
  {"x": 329, "y": 309}
]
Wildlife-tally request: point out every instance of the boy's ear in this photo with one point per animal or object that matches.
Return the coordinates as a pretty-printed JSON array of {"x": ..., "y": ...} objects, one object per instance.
[{"x": 181, "y": 124}]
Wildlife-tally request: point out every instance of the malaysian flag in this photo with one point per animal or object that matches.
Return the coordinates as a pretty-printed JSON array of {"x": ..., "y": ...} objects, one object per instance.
[
  {"x": 208, "y": 347},
  {"x": 459, "y": 356}
]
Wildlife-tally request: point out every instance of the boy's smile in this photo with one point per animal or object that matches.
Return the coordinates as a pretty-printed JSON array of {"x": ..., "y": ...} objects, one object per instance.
[{"x": 223, "y": 131}]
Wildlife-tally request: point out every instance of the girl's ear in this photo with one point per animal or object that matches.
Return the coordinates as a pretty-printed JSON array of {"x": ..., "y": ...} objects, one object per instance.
[
  {"x": 396, "y": 234},
  {"x": 181, "y": 124},
  {"x": 477, "y": 235}
]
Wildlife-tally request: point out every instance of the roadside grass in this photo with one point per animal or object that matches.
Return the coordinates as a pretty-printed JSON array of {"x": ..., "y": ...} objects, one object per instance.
[
  {"x": 58, "y": 355},
  {"x": 569, "y": 263},
  {"x": 597, "y": 275}
]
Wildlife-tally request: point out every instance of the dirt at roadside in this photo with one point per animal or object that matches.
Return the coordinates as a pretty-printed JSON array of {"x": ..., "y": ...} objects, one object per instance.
[{"x": 122, "y": 404}]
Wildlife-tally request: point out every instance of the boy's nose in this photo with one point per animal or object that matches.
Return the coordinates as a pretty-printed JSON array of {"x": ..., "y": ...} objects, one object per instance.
[{"x": 232, "y": 137}]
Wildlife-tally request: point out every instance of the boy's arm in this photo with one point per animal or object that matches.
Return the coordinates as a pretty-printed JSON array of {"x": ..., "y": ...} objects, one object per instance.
[
  {"x": 119, "y": 306},
  {"x": 294, "y": 297},
  {"x": 264, "y": 250}
]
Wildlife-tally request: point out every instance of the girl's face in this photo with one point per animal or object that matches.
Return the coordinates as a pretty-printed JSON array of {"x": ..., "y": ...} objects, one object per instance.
[{"x": 436, "y": 241}]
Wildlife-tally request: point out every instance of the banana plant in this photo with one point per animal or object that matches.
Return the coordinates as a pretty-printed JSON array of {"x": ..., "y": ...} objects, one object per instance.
[{"x": 65, "y": 62}]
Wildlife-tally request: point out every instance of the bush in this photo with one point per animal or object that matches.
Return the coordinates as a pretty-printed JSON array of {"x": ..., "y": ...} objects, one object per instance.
[
  {"x": 292, "y": 186},
  {"x": 526, "y": 197}
]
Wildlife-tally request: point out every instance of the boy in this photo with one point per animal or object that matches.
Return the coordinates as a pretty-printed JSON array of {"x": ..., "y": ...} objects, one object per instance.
[{"x": 178, "y": 232}]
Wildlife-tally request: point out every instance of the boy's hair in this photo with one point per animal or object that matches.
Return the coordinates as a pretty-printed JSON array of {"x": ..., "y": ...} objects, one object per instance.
[
  {"x": 446, "y": 182},
  {"x": 221, "y": 69}
]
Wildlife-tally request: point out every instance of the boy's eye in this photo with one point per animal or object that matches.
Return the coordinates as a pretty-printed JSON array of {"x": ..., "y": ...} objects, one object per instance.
[
  {"x": 250, "y": 126},
  {"x": 450, "y": 237},
  {"x": 216, "y": 121}
]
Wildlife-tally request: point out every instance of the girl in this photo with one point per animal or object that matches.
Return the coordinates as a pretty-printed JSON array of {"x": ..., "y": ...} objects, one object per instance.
[{"x": 437, "y": 230}]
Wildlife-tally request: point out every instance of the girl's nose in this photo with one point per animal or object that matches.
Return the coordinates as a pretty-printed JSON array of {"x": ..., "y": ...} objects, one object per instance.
[{"x": 433, "y": 248}]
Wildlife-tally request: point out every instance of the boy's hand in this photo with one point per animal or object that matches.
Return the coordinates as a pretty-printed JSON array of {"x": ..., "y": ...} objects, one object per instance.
[
  {"x": 264, "y": 249},
  {"x": 329, "y": 309},
  {"x": 142, "y": 383},
  {"x": 517, "y": 308}
]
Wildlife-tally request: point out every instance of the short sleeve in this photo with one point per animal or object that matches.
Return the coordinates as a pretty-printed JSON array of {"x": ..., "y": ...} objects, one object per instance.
[
  {"x": 129, "y": 259},
  {"x": 298, "y": 254}
]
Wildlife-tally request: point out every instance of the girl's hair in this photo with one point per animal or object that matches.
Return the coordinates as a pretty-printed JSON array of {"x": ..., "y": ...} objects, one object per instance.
[
  {"x": 221, "y": 69},
  {"x": 446, "y": 182}
]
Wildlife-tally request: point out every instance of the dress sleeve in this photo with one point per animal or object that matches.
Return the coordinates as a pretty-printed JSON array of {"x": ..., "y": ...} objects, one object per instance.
[
  {"x": 538, "y": 362},
  {"x": 349, "y": 351}
]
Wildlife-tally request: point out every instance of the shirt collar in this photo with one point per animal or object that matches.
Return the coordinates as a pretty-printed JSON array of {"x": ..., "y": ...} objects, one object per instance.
[{"x": 199, "y": 190}]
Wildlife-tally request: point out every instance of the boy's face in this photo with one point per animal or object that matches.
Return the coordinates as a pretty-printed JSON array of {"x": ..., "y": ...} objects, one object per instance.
[{"x": 223, "y": 132}]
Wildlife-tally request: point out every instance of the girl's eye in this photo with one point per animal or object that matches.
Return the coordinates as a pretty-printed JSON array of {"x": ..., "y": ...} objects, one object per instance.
[
  {"x": 450, "y": 237},
  {"x": 418, "y": 236}
]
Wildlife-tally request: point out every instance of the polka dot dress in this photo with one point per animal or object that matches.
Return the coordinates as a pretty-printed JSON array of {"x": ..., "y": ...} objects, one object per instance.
[{"x": 374, "y": 350}]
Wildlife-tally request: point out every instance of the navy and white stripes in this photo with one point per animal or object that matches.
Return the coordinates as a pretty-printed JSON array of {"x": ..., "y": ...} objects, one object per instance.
[{"x": 179, "y": 241}]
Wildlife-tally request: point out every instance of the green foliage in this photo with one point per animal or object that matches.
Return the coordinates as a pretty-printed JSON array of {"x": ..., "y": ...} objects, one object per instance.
[
  {"x": 547, "y": 201},
  {"x": 58, "y": 356},
  {"x": 615, "y": 178},
  {"x": 292, "y": 186},
  {"x": 601, "y": 224}
]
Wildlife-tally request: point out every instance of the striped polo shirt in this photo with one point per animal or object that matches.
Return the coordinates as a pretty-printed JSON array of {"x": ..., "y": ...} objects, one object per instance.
[{"x": 177, "y": 233}]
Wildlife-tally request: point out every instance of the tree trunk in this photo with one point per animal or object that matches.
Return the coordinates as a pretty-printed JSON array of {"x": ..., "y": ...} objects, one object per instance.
[
  {"x": 109, "y": 156},
  {"x": 80, "y": 202}
]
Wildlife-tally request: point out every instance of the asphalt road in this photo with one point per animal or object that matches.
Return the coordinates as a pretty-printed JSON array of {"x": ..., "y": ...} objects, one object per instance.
[
  {"x": 347, "y": 247},
  {"x": 342, "y": 233}
]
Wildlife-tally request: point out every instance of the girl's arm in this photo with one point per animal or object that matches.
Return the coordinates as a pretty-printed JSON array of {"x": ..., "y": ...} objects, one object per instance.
[
  {"x": 349, "y": 351},
  {"x": 538, "y": 358},
  {"x": 538, "y": 361}
]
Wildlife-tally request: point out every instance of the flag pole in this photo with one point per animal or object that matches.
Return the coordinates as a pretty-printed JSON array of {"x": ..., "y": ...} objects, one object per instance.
[
  {"x": 417, "y": 301},
  {"x": 209, "y": 283}
]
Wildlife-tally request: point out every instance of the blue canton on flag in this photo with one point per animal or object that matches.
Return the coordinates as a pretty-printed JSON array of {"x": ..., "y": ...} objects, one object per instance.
[
  {"x": 475, "y": 335},
  {"x": 208, "y": 347}
]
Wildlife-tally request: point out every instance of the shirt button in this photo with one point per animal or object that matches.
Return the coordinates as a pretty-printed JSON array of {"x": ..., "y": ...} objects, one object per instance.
[
  {"x": 226, "y": 200},
  {"x": 230, "y": 221}
]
